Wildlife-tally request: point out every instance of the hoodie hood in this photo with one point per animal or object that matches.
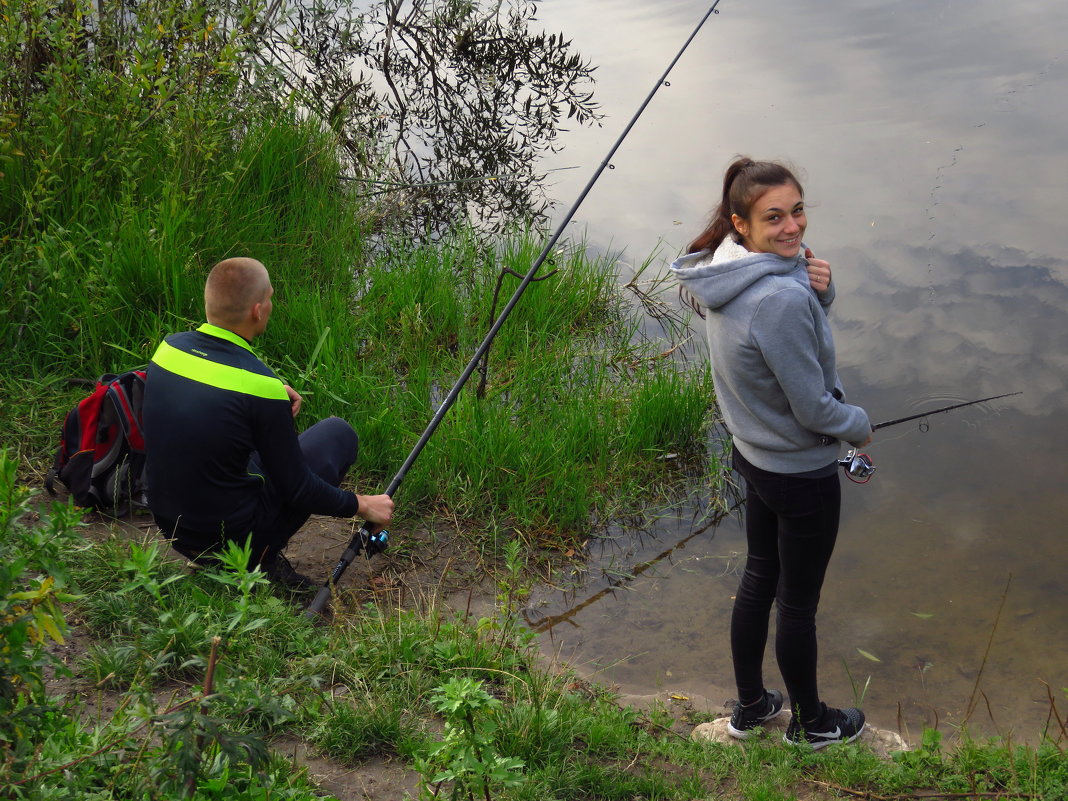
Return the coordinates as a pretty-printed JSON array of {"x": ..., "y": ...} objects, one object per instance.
[{"x": 717, "y": 278}]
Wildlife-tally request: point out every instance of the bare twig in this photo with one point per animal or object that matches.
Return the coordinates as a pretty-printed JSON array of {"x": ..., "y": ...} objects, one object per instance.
[
  {"x": 973, "y": 700},
  {"x": 1055, "y": 715},
  {"x": 483, "y": 367},
  {"x": 209, "y": 688}
]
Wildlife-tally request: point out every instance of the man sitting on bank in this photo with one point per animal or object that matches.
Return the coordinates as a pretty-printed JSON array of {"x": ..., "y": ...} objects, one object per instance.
[{"x": 223, "y": 458}]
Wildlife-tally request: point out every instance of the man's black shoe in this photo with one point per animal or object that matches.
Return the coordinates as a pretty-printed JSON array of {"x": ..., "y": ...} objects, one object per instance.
[{"x": 281, "y": 572}]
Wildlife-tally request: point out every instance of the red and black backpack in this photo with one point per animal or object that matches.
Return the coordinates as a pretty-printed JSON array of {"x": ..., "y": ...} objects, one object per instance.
[{"x": 101, "y": 456}]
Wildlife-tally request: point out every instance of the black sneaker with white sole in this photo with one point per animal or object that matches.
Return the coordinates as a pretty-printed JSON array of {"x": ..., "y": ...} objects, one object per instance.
[
  {"x": 835, "y": 726},
  {"x": 747, "y": 718}
]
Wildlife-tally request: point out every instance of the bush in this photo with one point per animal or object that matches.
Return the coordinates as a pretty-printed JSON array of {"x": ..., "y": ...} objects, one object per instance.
[{"x": 33, "y": 584}]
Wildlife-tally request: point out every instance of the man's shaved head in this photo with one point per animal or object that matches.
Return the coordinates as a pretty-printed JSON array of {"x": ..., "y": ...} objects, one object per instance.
[{"x": 233, "y": 287}]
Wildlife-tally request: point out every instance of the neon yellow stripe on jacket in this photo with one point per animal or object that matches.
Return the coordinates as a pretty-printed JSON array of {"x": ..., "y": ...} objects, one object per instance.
[
  {"x": 223, "y": 333},
  {"x": 213, "y": 374}
]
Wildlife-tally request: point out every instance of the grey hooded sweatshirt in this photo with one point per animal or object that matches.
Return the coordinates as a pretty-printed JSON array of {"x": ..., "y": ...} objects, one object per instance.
[{"x": 772, "y": 357}]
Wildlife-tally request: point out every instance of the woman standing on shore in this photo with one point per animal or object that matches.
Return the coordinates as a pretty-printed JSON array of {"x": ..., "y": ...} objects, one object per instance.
[{"x": 777, "y": 386}]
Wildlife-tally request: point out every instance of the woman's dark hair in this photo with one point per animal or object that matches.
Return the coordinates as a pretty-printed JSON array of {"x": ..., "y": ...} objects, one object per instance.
[{"x": 744, "y": 181}]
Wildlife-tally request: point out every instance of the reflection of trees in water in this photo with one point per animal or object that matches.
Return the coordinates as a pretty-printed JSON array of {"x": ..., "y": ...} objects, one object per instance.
[{"x": 461, "y": 96}]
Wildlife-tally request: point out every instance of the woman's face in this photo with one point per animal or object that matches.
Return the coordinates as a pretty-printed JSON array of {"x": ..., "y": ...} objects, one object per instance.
[{"x": 776, "y": 222}]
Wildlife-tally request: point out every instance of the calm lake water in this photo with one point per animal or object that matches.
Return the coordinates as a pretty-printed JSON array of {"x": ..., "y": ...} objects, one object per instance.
[{"x": 931, "y": 141}]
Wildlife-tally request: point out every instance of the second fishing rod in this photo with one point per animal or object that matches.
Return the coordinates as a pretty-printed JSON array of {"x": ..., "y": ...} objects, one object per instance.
[
  {"x": 368, "y": 538},
  {"x": 859, "y": 467}
]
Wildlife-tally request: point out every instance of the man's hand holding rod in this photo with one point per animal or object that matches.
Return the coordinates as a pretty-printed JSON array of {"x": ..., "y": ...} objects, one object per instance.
[{"x": 377, "y": 509}]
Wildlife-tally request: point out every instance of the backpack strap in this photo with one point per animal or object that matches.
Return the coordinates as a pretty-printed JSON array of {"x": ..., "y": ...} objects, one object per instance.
[{"x": 127, "y": 393}]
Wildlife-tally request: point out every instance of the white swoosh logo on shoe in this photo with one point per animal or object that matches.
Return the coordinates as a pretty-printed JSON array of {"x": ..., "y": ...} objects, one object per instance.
[{"x": 829, "y": 734}]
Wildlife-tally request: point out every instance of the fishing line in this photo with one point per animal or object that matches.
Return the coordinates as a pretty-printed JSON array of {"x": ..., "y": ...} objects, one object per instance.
[{"x": 365, "y": 539}]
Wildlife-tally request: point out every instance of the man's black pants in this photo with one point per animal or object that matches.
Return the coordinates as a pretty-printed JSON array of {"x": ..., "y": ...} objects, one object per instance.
[{"x": 329, "y": 447}]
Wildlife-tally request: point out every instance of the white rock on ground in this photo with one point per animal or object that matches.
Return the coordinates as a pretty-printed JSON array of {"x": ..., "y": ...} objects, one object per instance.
[
  {"x": 881, "y": 741},
  {"x": 683, "y": 704}
]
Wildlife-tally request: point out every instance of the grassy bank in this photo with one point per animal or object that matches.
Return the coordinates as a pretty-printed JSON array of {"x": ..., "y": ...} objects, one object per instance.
[
  {"x": 575, "y": 410},
  {"x": 188, "y": 679},
  {"x": 117, "y": 201}
]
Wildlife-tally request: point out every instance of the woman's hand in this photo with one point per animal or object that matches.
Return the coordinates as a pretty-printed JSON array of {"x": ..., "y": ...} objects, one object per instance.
[{"x": 819, "y": 272}]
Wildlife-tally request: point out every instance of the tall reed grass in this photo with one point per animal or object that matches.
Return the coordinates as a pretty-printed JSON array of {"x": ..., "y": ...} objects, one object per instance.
[
  {"x": 133, "y": 166},
  {"x": 372, "y": 328}
]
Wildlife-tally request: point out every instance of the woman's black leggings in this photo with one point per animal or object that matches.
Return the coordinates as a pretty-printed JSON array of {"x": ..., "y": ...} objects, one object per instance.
[{"x": 791, "y": 524}]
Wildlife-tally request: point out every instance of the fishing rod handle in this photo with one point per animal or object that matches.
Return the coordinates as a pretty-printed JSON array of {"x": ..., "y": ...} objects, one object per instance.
[
  {"x": 363, "y": 540},
  {"x": 316, "y": 607},
  {"x": 322, "y": 598}
]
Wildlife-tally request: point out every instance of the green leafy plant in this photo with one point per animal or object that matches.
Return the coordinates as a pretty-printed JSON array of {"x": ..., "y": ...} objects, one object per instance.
[
  {"x": 466, "y": 758},
  {"x": 234, "y": 572},
  {"x": 32, "y": 590}
]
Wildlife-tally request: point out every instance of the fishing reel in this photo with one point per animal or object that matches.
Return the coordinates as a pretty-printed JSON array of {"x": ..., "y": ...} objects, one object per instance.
[
  {"x": 374, "y": 543},
  {"x": 858, "y": 466}
]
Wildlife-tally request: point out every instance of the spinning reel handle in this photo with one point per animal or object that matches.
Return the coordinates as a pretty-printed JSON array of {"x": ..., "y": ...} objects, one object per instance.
[{"x": 858, "y": 466}]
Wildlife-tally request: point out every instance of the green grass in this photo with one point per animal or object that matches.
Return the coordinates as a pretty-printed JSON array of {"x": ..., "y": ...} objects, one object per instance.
[
  {"x": 572, "y": 405},
  {"x": 118, "y": 200},
  {"x": 370, "y": 685}
]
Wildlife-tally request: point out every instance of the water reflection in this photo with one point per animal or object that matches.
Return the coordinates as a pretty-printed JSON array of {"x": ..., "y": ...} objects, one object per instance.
[
  {"x": 930, "y": 136},
  {"x": 955, "y": 543},
  {"x": 971, "y": 321},
  {"x": 616, "y": 567}
]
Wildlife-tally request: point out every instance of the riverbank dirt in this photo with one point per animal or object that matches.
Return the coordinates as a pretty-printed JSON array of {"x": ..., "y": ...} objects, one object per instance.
[{"x": 435, "y": 563}]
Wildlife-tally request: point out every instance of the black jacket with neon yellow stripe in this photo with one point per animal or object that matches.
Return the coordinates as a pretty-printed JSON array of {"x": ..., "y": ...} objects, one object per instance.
[{"x": 209, "y": 403}]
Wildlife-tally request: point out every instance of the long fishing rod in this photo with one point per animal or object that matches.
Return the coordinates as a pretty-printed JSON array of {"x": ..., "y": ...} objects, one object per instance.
[
  {"x": 859, "y": 466},
  {"x": 373, "y": 540}
]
